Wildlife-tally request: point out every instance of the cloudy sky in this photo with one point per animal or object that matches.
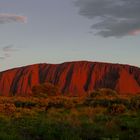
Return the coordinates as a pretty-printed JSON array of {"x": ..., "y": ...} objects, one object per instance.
[{"x": 55, "y": 31}]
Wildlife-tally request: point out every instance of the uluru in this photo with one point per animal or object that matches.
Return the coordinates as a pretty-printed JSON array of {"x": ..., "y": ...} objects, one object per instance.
[{"x": 76, "y": 78}]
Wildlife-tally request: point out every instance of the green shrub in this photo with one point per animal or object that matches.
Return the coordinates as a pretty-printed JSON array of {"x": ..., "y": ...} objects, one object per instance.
[
  {"x": 103, "y": 93},
  {"x": 129, "y": 127},
  {"x": 117, "y": 109},
  {"x": 135, "y": 102},
  {"x": 26, "y": 104}
]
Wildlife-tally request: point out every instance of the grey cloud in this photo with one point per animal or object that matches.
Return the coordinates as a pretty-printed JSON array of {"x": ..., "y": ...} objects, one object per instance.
[
  {"x": 2, "y": 57},
  {"x": 115, "y": 18},
  {"x": 7, "y": 51},
  {"x": 7, "y": 55},
  {"x": 8, "y": 18},
  {"x": 9, "y": 48}
]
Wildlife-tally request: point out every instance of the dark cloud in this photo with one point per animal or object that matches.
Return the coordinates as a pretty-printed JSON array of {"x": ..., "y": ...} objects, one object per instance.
[
  {"x": 2, "y": 57},
  {"x": 115, "y": 17},
  {"x": 9, "y": 48},
  {"x": 8, "y": 18},
  {"x": 7, "y": 51}
]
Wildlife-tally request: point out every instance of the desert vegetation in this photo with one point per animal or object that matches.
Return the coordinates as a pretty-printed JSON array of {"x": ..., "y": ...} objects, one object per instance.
[{"x": 102, "y": 115}]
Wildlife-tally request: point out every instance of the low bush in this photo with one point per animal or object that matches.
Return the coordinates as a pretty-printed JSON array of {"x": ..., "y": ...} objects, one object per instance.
[
  {"x": 7, "y": 108},
  {"x": 25, "y": 104},
  {"x": 135, "y": 102},
  {"x": 103, "y": 93},
  {"x": 45, "y": 90},
  {"x": 116, "y": 109}
]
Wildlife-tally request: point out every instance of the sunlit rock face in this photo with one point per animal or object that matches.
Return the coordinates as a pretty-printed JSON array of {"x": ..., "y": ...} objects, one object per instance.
[{"x": 74, "y": 78}]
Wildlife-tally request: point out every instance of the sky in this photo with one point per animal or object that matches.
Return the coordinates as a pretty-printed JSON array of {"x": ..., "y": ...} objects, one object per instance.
[{"x": 56, "y": 31}]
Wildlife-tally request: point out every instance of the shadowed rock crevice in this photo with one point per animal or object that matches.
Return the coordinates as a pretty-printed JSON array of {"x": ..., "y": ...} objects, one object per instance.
[
  {"x": 91, "y": 69},
  {"x": 43, "y": 72},
  {"x": 15, "y": 82},
  {"x": 68, "y": 79},
  {"x": 109, "y": 79},
  {"x": 59, "y": 71}
]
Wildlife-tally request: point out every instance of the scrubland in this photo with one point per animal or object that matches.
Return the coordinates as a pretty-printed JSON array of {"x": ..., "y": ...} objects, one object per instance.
[{"x": 102, "y": 115}]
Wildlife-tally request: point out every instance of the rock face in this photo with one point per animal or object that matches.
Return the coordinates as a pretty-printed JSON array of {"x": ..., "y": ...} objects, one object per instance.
[{"x": 75, "y": 78}]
